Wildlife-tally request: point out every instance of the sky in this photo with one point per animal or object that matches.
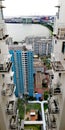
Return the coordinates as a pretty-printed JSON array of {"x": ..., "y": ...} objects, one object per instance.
[{"x": 29, "y": 7}]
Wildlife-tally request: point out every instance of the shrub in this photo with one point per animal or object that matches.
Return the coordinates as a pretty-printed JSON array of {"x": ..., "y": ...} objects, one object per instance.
[{"x": 45, "y": 95}]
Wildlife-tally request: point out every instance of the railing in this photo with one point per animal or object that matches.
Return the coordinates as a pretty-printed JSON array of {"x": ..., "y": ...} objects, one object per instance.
[
  {"x": 57, "y": 66},
  {"x": 53, "y": 106},
  {"x": 51, "y": 122},
  {"x": 14, "y": 122},
  {"x": 57, "y": 90},
  {"x": 54, "y": 109},
  {"x": 11, "y": 107}
]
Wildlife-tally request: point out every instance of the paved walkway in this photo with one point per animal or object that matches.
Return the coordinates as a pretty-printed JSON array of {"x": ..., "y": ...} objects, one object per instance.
[{"x": 33, "y": 122}]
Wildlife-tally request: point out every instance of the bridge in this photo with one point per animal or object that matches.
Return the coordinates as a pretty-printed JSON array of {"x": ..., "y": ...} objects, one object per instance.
[{"x": 48, "y": 25}]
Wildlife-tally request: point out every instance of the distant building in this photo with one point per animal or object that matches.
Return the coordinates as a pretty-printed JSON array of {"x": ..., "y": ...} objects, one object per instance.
[
  {"x": 22, "y": 59},
  {"x": 26, "y": 20},
  {"x": 41, "y": 45},
  {"x": 41, "y": 78}
]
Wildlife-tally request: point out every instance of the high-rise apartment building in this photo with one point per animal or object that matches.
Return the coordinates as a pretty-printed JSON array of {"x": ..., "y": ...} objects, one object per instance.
[
  {"x": 22, "y": 59},
  {"x": 41, "y": 45},
  {"x": 57, "y": 87},
  {"x": 7, "y": 87}
]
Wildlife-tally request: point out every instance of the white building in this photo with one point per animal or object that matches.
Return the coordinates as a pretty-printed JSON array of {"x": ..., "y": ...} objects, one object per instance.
[
  {"x": 7, "y": 88},
  {"x": 41, "y": 45},
  {"x": 57, "y": 87}
]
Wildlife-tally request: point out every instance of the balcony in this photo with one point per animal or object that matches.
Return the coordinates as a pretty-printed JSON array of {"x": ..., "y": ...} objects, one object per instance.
[
  {"x": 51, "y": 92},
  {"x": 53, "y": 121},
  {"x": 13, "y": 122},
  {"x": 57, "y": 91},
  {"x": 57, "y": 66},
  {"x": 11, "y": 107},
  {"x": 8, "y": 90},
  {"x": 5, "y": 67},
  {"x": 61, "y": 33},
  {"x": 53, "y": 106}
]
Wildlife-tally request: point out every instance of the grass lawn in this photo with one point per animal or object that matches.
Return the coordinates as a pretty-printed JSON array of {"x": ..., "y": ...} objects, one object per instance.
[
  {"x": 34, "y": 106},
  {"x": 21, "y": 108},
  {"x": 45, "y": 106},
  {"x": 32, "y": 127},
  {"x": 47, "y": 62}
]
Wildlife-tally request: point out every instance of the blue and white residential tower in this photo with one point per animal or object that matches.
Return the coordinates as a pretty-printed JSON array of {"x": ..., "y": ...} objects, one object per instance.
[{"x": 22, "y": 59}]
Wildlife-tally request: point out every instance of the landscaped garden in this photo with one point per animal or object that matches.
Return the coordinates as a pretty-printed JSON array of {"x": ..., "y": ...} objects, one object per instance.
[
  {"x": 32, "y": 106},
  {"x": 25, "y": 107},
  {"x": 21, "y": 108},
  {"x": 30, "y": 112},
  {"x": 32, "y": 127},
  {"x": 46, "y": 95},
  {"x": 46, "y": 61},
  {"x": 45, "y": 106}
]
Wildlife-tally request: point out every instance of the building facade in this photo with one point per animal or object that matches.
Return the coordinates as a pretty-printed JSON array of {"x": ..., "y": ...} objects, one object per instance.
[
  {"x": 7, "y": 86},
  {"x": 57, "y": 84},
  {"x": 41, "y": 45},
  {"x": 23, "y": 69}
]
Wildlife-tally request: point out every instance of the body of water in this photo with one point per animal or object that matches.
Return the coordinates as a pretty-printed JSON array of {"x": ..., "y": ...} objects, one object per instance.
[{"x": 19, "y": 31}]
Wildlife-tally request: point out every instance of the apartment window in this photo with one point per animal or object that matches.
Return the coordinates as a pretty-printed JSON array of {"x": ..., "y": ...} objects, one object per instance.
[
  {"x": 1, "y": 13},
  {"x": 11, "y": 78},
  {"x": 3, "y": 75},
  {"x": 63, "y": 47},
  {"x": 55, "y": 41},
  {"x": 59, "y": 74},
  {"x": 1, "y": 66},
  {"x": 7, "y": 42}
]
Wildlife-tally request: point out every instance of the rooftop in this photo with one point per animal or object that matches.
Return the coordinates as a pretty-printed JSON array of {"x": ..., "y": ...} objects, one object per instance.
[
  {"x": 38, "y": 63},
  {"x": 19, "y": 46}
]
